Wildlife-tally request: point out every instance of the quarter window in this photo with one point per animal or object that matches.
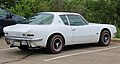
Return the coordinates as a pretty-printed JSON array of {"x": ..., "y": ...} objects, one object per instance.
[
  {"x": 75, "y": 20},
  {"x": 39, "y": 19},
  {"x": 64, "y": 19}
]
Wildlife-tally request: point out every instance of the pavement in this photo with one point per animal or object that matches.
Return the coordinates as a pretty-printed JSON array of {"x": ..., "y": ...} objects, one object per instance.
[{"x": 73, "y": 54}]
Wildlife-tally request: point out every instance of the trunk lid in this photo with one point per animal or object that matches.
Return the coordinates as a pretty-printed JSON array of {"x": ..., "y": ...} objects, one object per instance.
[{"x": 18, "y": 30}]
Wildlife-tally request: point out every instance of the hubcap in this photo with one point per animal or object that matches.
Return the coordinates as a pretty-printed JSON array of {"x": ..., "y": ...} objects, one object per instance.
[
  {"x": 106, "y": 38},
  {"x": 57, "y": 44}
]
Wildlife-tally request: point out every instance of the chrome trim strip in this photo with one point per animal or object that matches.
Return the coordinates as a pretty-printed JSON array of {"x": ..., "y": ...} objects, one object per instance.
[{"x": 27, "y": 39}]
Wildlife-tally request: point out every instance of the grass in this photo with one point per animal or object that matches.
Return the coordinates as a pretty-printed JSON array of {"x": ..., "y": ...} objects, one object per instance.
[{"x": 118, "y": 33}]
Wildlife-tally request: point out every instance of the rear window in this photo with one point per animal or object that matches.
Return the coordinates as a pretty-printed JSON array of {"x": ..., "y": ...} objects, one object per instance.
[{"x": 39, "y": 19}]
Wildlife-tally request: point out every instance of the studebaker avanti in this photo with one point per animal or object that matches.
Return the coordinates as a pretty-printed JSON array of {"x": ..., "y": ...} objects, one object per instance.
[{"x": 54, "y": 30}]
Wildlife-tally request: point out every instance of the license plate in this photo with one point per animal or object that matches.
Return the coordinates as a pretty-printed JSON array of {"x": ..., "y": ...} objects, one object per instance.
[
  {"x": 24, "y": 43},
  {"x": 16, "y": 43}
]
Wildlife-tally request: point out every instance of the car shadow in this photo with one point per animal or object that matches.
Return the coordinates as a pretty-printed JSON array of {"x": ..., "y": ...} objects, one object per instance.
[
  {"x": 80, "y": 46},
  {"x": 66, "y": 48},
  {"x": 44, "y": 51},
  {"x": 20, "y": 55}
]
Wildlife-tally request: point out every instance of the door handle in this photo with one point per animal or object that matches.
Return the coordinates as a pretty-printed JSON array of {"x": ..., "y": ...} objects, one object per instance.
[{"x": 73, "y": 29}]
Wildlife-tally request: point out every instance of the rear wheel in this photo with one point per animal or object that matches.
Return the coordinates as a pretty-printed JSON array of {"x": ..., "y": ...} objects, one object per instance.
[
  {"x": 24, "y": 47},
  {"x": 55, "y": 44},
  {"x": 105, "y": 38}
]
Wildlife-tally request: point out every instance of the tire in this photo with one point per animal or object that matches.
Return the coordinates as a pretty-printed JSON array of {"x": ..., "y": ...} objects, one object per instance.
[
  {"x": 105, "y": 38},
  {"x": 24, "y": 47},
  {"x": 1, "y": 31},
  {"x": 55, "y": 44}
]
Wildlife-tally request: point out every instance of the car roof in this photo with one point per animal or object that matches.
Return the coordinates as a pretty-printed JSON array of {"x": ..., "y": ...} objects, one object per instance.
[{"x": 61, "y": 13}]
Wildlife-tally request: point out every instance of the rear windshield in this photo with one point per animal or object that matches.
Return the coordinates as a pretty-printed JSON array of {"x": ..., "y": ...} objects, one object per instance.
[{"x": 39, "y": 19}]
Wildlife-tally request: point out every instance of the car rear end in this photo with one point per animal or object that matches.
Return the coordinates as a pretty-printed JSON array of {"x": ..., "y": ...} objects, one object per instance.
[{"x": 16, "y": 36}]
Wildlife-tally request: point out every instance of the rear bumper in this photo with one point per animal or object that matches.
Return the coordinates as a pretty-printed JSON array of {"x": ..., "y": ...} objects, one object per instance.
[
  {"x": 27, "y": 39},
  {"x": 16, "y": 42}
]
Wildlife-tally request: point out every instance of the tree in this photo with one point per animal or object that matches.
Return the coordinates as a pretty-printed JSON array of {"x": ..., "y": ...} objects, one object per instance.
[
  {"x": 8, "y": 3},
  {"x": 30, "y": 7},
  {"x": 101, "y": 11}
]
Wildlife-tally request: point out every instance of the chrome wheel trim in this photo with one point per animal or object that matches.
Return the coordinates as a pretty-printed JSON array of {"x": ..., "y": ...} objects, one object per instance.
[
  {"x": 106, "y": 38},
  {"x": 57, "y": 44}
]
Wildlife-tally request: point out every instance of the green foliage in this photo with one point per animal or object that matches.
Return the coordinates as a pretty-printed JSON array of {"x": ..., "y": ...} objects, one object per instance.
[
  {"x": 67, "y": 6},
  {"x": 27, "y": 8},
  {"x": 96, "y": 11},
  {"x": 118, "y": 33},
  {"x": 101, "y": 11},
  {"x": 8, "y": 3}
]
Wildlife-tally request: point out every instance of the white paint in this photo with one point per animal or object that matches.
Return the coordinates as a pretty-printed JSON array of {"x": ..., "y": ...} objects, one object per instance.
[
  {"x": 6, "y": 49},
  {"x": 81, "y": 34},
  {"x": 74, "y": 54}
]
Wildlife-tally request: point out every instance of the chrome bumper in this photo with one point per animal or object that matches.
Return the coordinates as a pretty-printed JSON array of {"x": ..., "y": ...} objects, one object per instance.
[
  {"x": 12, "y": 40},
  {"x": 24, "y": 38}
]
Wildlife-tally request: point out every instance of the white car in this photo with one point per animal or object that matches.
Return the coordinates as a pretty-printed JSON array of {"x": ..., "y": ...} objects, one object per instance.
[{"x": 54, "y": 30}]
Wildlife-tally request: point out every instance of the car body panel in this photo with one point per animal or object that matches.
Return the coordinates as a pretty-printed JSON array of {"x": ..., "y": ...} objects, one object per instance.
[{"x": 88, "y": 33}]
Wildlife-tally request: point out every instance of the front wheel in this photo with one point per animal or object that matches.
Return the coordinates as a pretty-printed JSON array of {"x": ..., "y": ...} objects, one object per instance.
[
  {"x": 55, "y": 44},
  {"x": 105, "y": 38}
]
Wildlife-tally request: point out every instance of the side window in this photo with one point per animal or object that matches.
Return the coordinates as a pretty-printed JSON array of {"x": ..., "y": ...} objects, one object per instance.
[
  {"x": 75, "y": 20},
  {"x": 64, "y": 19},
  {"x": 3, "y": 12}
]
